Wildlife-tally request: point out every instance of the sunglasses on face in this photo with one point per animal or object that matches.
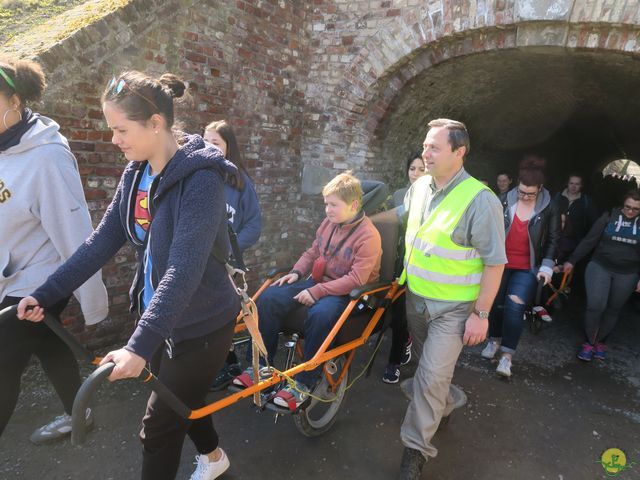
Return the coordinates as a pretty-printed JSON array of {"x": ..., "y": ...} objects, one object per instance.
[
  {"x": 527, "y": 194},
  {"x": 631, "y": 209},
  {"x": 116, "y": 86}
]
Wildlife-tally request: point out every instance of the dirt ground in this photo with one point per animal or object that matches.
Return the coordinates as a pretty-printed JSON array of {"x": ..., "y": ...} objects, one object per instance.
[{"x": 552, "y": 420}]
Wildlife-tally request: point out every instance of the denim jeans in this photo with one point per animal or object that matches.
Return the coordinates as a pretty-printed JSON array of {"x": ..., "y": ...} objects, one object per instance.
[
  {"x": 275, "y": 303},
  {"x": 517, "y": 289},
  {"x": 607, "y": 294}
]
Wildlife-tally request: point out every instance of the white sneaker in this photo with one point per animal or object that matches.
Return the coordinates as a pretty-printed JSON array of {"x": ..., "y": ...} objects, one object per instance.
[
  {"x": 490, "y": 350},
  {"x": 504, "y": 366},
  {"x": 58, "y": 428},
  {"x": 207, "y": 470}
]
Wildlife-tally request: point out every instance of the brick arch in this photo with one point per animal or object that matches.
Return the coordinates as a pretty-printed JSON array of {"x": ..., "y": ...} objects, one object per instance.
[{"x": 424, "y": 37}]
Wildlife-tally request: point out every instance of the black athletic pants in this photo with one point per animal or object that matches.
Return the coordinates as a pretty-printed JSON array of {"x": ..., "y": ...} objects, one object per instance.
[
  {"x": 399, "y": 330},
  {"x": 19, "y": 340},
  {"x": 189, "y": 374}
]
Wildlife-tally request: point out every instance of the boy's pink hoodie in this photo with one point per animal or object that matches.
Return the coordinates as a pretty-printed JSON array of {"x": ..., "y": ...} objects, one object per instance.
[{"x": 356, "y": 263}]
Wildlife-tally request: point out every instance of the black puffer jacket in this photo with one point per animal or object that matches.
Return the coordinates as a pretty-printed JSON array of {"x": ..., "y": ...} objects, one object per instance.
[{"x": 544, "y": 228}]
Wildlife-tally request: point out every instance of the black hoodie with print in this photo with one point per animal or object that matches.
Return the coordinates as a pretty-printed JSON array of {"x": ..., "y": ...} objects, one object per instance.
[{"x": 616, "y": 240}]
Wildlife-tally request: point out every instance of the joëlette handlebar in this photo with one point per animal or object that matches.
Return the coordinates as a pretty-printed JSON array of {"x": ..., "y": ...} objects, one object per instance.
[
  {"x": 90, "y": 385},
  {"x": 539, "y": 291}
]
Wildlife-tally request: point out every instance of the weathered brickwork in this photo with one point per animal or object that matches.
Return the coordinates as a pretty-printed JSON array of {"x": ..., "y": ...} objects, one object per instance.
[{"x": 311, "y": 87}]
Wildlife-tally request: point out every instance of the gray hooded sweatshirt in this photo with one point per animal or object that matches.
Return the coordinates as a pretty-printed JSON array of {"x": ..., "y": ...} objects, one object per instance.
[{"x": 43, "y": 217}]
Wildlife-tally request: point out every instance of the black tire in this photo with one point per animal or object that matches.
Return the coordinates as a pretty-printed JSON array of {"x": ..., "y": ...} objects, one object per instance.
[
  {"x": 536, "y": 325},
  {"x": 319, "y": 416}
]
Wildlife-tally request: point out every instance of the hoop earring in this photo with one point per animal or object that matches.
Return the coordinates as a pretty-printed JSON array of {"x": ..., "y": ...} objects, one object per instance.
[{"x": 4, "y": 118}]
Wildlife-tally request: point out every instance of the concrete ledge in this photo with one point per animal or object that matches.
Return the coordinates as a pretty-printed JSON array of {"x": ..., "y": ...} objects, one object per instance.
[{"x": 530, "y": 10}]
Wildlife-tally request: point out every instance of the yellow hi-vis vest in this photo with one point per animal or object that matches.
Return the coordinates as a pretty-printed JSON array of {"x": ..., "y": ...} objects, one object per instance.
[{"x": 435, "y": 266}]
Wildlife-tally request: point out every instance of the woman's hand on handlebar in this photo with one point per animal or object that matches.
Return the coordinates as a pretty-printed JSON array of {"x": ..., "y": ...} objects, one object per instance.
[
  {"x": 34, "y": 314},
  {"x": 288, "y": 278},
  {"x": 128, "y": 364},
  {"x": 544, "y": 276}
]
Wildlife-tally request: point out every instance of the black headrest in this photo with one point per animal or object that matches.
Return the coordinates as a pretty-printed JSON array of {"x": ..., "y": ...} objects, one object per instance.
[{"x": 374, "y": 195}]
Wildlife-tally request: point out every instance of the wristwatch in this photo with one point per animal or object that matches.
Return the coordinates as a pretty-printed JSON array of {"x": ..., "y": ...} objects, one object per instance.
[{"x": 483, "y": 314}]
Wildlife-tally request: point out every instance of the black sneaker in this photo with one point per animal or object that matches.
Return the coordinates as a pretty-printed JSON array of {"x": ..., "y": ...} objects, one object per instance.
[
  {"x": 406, "y": 356},
  {"x": 391, "y": 374},
  {"x": 225, "y": 376}
]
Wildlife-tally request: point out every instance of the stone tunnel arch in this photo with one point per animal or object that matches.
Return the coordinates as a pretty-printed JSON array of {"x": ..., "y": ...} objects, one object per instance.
[{"x": 552, "y": 81}]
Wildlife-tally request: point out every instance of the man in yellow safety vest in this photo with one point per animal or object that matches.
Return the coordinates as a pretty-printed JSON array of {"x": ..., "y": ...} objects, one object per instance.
[{"x": 453, "y": 264}]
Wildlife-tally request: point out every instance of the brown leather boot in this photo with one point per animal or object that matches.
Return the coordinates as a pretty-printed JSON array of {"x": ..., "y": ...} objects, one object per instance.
[{"x": 412, "y": 463}]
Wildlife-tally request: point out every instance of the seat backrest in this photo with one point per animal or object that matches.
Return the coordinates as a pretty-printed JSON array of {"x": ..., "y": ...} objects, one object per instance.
[
  {"x": 374, "y": 194},
  {"x": 388, "y": 224}
]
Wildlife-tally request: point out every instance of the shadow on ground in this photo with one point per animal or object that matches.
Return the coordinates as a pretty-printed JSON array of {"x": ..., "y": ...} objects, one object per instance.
[{"x": 553, "y": 420}]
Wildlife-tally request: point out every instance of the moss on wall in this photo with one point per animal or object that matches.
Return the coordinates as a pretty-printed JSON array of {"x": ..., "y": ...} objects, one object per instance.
[{"x": 29, "y": 27}]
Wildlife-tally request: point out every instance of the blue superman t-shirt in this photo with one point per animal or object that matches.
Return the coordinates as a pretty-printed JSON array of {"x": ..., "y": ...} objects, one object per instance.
[{"x": 142, "y": 219}]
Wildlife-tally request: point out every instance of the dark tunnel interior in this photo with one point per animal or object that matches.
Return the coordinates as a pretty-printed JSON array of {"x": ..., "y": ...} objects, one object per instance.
[{"x": 577, "y": 109}]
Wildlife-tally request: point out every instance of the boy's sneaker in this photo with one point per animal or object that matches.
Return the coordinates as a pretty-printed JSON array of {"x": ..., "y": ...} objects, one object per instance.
[
  {"x": 208, "y": 470},
  {"x": 491, "y": 349},
  {"x": 406, "y": 357},
  {"x": 292, "y": 398},
  {"x": 542, "y": 313},
  {"x": 599, "y": 351},
  {"x": 504, "y": 366},
  {"x": 586, "y": 352},
  {"x": 245, "y": 379},
  {"x": 59, "y": 428},
  {"x": 225, "y": 376},
  {"x": 391, "y": 374}
]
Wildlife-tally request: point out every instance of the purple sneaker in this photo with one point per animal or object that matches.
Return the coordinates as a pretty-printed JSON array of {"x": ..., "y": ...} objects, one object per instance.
[
  {"x": 600, "y": 350},
  {"x": 586, "y": 352}
]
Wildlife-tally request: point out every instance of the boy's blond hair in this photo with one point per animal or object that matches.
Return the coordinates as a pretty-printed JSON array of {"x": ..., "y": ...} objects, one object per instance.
[{"x": 344, "y": 186}]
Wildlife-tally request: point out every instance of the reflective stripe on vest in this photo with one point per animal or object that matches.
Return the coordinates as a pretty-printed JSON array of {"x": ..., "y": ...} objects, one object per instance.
[{"x": 435, "y": 266}]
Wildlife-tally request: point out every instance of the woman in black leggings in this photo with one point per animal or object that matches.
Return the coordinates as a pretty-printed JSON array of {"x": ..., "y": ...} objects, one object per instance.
[{"x": 170, "y": 206}]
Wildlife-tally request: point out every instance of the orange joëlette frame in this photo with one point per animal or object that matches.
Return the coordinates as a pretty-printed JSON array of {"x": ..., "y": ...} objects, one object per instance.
[
  {"x": 393, "y": 291},
  {"x": 563, "y": 288}
]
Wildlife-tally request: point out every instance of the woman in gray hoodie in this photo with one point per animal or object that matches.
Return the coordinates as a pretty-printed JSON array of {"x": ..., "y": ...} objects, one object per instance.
[{"x": 44, "y": 219}]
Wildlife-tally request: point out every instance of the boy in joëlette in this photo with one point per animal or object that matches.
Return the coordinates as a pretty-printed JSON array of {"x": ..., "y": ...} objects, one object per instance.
[{"x": 344, "y": 255}]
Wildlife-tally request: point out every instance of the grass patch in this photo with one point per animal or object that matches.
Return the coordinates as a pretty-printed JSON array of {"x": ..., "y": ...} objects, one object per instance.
[
  {"x": 17, "y": 16},
  {"x": 44, "y": 22}
]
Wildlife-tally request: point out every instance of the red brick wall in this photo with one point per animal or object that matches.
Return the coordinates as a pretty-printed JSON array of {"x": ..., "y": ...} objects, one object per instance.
[
  {"x": 243, "y": 61},
  {"x": 305, "y": 83}
]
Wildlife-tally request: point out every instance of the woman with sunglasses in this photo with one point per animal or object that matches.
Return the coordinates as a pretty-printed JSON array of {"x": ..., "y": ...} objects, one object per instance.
[
  {"x": 43, "y": 219},
  {"x": 185, "y": 300},
  {"x": 532, "y": 226},
  {"x": 612, "y": 273}
]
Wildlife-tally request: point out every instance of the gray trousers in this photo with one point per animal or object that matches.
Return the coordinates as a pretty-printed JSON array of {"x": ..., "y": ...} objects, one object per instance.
[
  {"x": 607, "y": 292},
  {"x": 437, "y": 329}
]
